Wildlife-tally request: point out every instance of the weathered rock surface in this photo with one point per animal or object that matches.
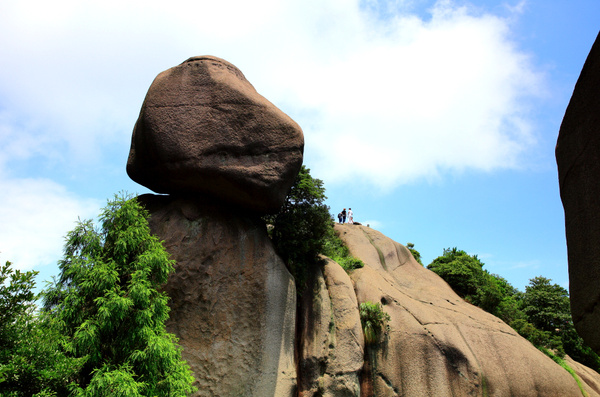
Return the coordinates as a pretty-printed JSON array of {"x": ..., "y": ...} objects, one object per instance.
[
  {"x": 331, "y": 339},
  {"x": 578, "y": 159},
  {"x": 225, "y": 154},
  {"x": 233, "y": 302},
  {"x": 204, "y": 129},
  {"x": 438, "y": 344}
]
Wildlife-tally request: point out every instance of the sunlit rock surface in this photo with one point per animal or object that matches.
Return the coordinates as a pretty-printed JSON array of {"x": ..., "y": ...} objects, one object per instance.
[
  {"x": 233, "y": 302},
  {"x": 204, "y": 129}
]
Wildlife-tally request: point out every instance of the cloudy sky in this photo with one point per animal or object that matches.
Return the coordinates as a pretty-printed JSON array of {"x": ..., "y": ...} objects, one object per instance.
[{"x": 435, "y": 121}]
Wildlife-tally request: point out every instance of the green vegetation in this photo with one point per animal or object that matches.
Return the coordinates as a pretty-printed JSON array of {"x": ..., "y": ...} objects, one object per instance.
[
  {"x": 303, "y": 229},
  {"x": 374, "y": 321},
  {"x": 102, "y": 329},
  {"x": 466, "y": 276},
  {"x": 335, "y": 249},
  {"x": 560, "y": 361},
  {"x": 416, "y": 254},
  {"x": 300, "y": 227},
  {"x": 33, "y": 356},
  {"x": 541, "y": 314}
]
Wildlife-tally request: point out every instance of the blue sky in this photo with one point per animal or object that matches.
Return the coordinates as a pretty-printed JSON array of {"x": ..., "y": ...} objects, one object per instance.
[{"x": 435, "y": 121}]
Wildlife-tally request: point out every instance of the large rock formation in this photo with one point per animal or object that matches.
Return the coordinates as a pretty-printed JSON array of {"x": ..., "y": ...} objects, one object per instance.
[
  {"x": 204, "y": 129},
  {"x": 233, "y": 302},
  {"x": 331, "y": 341},
  {"x": 207, "y": 138},
  {"x": 438, "y": 344},
  {"x": 578, "y": 159}
]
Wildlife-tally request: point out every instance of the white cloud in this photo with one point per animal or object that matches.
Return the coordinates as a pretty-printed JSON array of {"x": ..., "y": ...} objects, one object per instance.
[
  {"x": 407, "y": 96},
  {"x": 414, "y": 98},
  {"x": 36, "y": 215}
]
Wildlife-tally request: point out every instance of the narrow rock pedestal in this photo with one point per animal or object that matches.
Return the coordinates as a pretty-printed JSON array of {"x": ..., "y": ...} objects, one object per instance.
[{"x": 232, "y": 301}]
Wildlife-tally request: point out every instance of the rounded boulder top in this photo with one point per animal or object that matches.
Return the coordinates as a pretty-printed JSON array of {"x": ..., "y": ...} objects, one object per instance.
[{"x": 204, "y": 130}]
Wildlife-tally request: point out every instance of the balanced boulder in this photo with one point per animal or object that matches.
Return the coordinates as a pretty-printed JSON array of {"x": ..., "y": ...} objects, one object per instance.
[
  {"x": 578, "y": 159},
  {"x": 203, "y": 129}
]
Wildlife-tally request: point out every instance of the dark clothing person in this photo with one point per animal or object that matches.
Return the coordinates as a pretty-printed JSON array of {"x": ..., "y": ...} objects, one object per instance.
[{"x": 344, "y": 216}]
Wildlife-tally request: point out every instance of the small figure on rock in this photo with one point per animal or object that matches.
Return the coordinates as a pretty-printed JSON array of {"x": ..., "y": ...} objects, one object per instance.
[
  {"x": 344, "y": 216},
  {"x": 350, "y": 216},
  {"x": 340, "y": 217}
]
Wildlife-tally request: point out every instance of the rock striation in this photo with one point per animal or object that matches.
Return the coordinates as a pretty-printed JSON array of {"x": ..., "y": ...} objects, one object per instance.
[
  {"x": 204, "y": 129},
  {"x": 225, "y": 155},
  {"x": 438, "y": 344},
  {"x": 233, "y": 302},
  {"x": 578, "y": 159},
  {"x": 331, "y": 341}
]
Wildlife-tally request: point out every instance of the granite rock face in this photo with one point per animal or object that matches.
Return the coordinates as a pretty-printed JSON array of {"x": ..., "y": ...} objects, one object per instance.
[
  {"x": 233, "y": 302},
  {"x": 438, "y": 344},
  {"x": 204, "y": 129},
  {"x": 331, "y": 341},
  {"x": 225, "y": 155},
  {"x": 578, "y": 159}
]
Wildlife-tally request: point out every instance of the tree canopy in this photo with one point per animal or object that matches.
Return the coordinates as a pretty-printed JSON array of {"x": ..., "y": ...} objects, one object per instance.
[
  {"x": 107, "y": 302},
  {"x": 546, "y": 305},
  {"x": 301, "y": 226},
  {"x": 541, "y": 313},
  {"x": 34, "y": 358}
]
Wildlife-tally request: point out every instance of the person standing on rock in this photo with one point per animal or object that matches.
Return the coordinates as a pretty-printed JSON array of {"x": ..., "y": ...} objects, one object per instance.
[
  {"x": 350, "y": 216},
  {"x": 344, "y": 216},
  {"x": 340, "y": 217}
]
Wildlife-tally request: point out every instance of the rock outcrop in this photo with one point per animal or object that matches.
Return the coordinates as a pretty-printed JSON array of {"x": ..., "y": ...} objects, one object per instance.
[
  {"x": 578, "y": 159},
  {"x": 331, "y": 340},
  {"x": 233, "y": 302},
  {"x": 438, "y": 344},
  {"x": 225, "y": 155},
  {"x": 204, "y": 129}
]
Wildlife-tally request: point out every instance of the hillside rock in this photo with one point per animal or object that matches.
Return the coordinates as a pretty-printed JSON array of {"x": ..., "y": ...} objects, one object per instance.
[
  {"x": 204, "y": 129},
  {"x": 438, "y": 344},
  {"x": 233, "y": 302},
  {"x": 578, "y": 159},
  {"x": 224, "y": 154},
  {"x": 331, "y": 338}
]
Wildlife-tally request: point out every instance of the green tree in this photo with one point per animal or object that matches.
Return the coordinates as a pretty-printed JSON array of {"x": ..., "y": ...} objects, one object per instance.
[
  {"x": 33, "y": 359},
  {"x": 416, "y": 254},
  {"x": 546, "y": 305},
  {"x": 541, "y": 314},
  {"x": 540, "y": 339},
  {"x": 16, "y": 299},
  {"x": 462, "y": 271},
  {"x": 108, "y": 302},
  {"x": 465, "y": 274},
  {"x": 300, "y": 227},
  {"x": 508, "y": 308}
]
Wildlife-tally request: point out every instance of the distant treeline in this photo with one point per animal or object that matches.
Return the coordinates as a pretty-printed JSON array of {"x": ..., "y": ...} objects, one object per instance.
[{"x": 541, "y": 314}]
